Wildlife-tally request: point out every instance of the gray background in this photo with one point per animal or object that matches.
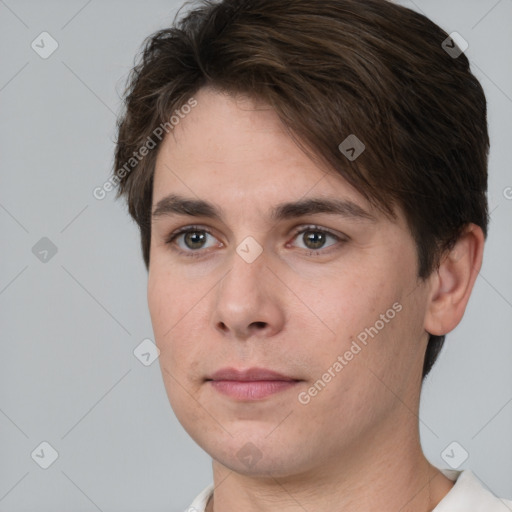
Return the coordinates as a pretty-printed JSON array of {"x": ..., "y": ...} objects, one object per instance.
[{"x": 68, "y": 375}]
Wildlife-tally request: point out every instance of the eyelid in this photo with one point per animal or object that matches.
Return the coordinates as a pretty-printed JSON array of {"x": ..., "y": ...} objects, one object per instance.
[
  {"x": 339, "y": 237},
  {"x": 313, "y": 227},
  {"x": 186, "y": 229}
]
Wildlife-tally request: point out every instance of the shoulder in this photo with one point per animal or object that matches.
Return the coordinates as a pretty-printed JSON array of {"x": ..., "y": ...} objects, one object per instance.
[
  {"x": 469, "y": 495},
  {"x": 200, "y": 501}
]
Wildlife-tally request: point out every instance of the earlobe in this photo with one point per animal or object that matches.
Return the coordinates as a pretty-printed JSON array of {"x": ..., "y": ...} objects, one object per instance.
[{"x": 452, "y": 283}]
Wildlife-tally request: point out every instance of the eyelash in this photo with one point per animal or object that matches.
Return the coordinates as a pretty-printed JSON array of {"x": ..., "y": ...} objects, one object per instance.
[{"x": 199, "y": 253}]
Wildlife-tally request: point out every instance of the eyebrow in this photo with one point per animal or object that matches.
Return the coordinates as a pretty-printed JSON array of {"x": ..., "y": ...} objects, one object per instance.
[{"x": 174, "y": 204}]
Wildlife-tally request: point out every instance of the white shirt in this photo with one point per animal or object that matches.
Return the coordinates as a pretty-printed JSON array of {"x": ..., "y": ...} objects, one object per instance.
[{"x": 467, "y": 495}]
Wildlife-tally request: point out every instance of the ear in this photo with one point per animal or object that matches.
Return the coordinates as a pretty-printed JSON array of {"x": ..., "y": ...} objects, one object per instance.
[{"x": 452, "y": 283}]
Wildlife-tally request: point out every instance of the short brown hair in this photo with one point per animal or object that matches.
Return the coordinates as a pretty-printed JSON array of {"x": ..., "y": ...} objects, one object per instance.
[{"x": 329, "y": 68}]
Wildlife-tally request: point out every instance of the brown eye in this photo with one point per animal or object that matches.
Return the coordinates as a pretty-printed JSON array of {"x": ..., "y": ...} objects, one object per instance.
[
  {"x": 194, "y": 239},
  {"x": 314, "y": 238},
  {"x": 191, "y": 240}
]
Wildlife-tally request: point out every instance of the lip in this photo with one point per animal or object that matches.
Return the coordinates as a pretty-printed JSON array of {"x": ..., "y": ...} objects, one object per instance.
[
  {"x": 250, "y": 384},
  {"x": 248, "y": 375}
]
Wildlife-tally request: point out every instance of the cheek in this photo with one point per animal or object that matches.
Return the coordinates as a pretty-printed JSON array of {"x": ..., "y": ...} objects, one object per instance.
[
  {"x": 178, "y": 342},
  {"x": 161, "y": 304},
  {"x": 169, "y": 300},
  {"x": 178, "y": 318},
  {"x": 348, "y": 302},
  {"x": 366, "y": 305},
  {"x": 166, "y": 308}
]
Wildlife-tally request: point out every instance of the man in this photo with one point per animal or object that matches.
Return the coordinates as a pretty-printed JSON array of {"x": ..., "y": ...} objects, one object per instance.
[{"x": 309, "y": 179}]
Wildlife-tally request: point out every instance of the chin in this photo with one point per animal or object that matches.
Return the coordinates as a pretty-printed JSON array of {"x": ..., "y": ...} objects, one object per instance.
[{"x": 257, "y": 455}]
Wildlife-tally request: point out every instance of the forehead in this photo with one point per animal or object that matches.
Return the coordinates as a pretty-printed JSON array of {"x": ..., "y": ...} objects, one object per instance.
[
  {"x": 236, "y": 150},
  {"x": 234, "y": 138}
]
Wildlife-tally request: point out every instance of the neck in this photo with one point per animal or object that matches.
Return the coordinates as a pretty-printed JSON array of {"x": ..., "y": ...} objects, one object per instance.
[{"x": 399, "y": 478}]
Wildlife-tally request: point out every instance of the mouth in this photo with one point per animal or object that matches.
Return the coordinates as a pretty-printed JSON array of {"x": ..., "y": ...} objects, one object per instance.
[{"x": 251, "y": 384}]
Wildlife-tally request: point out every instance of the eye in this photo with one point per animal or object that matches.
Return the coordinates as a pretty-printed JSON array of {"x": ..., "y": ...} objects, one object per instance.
[
  {"x": 314, "y": 237},
  {"x": 190, "y": 239}
]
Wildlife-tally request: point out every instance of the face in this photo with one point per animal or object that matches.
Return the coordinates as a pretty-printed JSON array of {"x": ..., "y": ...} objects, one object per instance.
[{"x": 327, "y": 298}]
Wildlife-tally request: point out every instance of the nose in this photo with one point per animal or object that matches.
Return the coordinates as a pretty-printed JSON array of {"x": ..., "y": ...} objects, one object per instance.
[{"x": 249, "y": 300}]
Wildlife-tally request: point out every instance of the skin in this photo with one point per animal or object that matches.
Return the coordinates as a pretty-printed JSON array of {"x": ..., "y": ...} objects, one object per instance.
[{"x": 355, "y": 446}]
